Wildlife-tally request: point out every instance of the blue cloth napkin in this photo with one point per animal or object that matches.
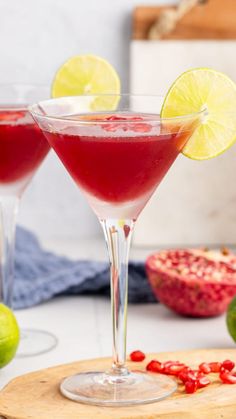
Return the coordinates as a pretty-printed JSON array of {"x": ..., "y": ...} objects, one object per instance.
[{"x": 41, "y": 275}]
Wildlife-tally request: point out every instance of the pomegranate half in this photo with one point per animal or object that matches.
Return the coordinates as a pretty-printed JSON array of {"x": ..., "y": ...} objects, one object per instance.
[{"x": 193, "y": 282}]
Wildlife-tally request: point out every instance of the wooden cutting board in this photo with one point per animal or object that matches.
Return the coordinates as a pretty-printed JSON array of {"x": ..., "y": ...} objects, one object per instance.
[
  {"x": 36, "y": 395},
  {"x": 211, "y": 19}
]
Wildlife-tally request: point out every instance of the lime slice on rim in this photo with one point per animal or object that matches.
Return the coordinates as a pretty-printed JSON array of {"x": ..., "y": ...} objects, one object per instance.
[
  {"x": 91, "y": 75},
  {"x": 194, "y": 91}
]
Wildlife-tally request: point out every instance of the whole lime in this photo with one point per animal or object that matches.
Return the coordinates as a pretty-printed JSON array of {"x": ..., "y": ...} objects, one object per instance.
[
  {"x": 9, "y": 335},
  {"x": 231, "y": 318}
]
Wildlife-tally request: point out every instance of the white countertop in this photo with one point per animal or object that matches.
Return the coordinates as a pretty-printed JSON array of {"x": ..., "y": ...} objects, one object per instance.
[{"x": 83, "y": 325}]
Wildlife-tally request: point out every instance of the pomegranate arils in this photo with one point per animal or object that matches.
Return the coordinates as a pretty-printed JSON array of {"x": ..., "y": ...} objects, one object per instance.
[
  {"x": 228, "y": 365},
  {"x": 184, "y": 374},
  {"x": 137, "y": 356},
  {"x": 227, "y": 377},
  {"x": 193, "y": 379},
  {"x": 174, "y": 368},
  {"x": 155, "y": 366},
  {"x": 191, "y": 386},
  {"x": 121, "y": 118},
  {"x": 132, "y": 123},
  {"x": 189, "y": 375},
  {"x": 215, "y": 366},
  {"x": 205, "y": 367},
  {"x": 203, "y": 381},
  {"x": 193, "y": 375},
  {"x": 141, "y": 127}
]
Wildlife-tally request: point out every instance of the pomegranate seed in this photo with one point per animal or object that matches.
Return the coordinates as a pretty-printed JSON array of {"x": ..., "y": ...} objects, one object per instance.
[
  {"x": 191, "y": 386},
  {"x": 137, "y": 356},
  {"x": 138, "y": 126},
  {"x": 203, "y": 381},
  {"x": 174, "y": 369},
  {"x": 227, "y": 377},
  {"x": 187, "y": 375},
  {"x": 155, "y": 366},
  {"x": 215, "y": 366},
  {"x": 141, "y": 127},
  {"x": 205, "y": 367},
  {"x": 196, "y": 373},
  {"x": 228, "y": 365},
  {"x": 183, "y": 375},
  {"x": 121, "y": 118}
]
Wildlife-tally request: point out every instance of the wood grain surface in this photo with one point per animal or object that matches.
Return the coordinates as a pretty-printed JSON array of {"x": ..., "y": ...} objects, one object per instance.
[
  {"x": 214, "y": 19},
  {"x": 36, "y": 395}
]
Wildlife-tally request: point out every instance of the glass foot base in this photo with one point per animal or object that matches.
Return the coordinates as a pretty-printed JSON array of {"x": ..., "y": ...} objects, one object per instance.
[
  {"x": 35, "y": 342},
  {"x": 98, "y": 388}
]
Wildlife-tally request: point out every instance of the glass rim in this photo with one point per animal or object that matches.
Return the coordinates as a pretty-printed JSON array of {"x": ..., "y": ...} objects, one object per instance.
[
  {"x": 8, "y": 108},
  {"x": 70, "y": 117}
]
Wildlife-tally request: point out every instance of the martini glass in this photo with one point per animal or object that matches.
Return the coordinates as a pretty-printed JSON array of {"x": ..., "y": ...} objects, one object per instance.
[
  {"x": 117, "y": 158},
  {"x": 22, "y": 150}
]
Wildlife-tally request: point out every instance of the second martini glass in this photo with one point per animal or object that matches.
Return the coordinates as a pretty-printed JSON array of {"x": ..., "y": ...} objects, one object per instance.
[
  {"x": 22, "y": 150},
  {"x": 117, "y": 158}
]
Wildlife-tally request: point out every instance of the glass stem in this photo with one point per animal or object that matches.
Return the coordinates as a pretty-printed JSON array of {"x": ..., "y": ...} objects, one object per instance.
[
  {"x": 8, "y": 212},
  {"x": 118, "y": 235}
]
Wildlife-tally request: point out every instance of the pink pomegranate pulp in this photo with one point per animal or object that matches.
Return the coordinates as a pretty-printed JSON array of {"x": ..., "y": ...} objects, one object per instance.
[
  {"x": 122, "y": 162},
  {"x": 22, "y": 145}
]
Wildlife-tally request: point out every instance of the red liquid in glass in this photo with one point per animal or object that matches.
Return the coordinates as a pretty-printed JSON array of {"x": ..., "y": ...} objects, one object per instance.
[
  {"x": 121, "y": 168},
  {"x": 22, "y": 145}
]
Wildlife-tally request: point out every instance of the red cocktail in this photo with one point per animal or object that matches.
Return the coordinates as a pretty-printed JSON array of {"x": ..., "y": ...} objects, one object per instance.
[
  {"x": 22, "y": 149},
  {"x": 122, "y": 165}
]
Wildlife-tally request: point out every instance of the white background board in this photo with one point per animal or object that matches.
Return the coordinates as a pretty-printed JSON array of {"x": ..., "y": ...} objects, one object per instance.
[{"x": 196, "y": 202}]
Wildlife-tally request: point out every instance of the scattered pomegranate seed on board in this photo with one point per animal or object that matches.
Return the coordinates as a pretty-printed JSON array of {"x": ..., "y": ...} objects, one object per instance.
[
  {"x": 205, "y": 367},
  {"x": 215, "y": 366},
  {"x": 137, "y": 356},
  {"x": 184, "y": 374},
  {"x": 155, "y": 366},
  {"x": 192, "y": 379},
  {"x": 227, "y": 377},
  {"x": 228, "y": 365},
  {"x": 191, "y": 386},
  {"x": 174, "y": 368},
  {"x": 203, "y": 381}
]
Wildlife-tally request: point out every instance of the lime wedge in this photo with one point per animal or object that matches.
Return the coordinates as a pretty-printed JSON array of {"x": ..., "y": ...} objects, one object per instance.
[
  {"x": 231, "y": 318},
  {"x": 91, "y": 75},
  {"x": 9, "y": 335},
  {"x": 194, "y": 91}
]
